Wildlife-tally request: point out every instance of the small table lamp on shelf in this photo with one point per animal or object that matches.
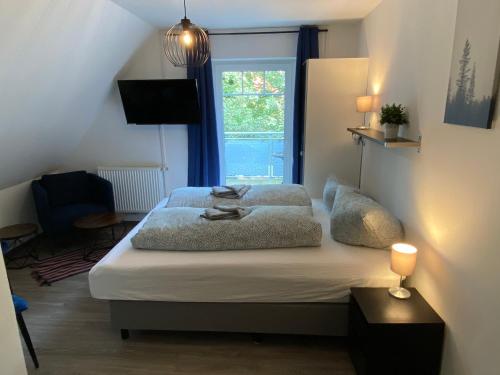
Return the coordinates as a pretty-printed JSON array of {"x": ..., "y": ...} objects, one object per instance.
[
  {"x": 364, "y": 104},
  {"x": 403, "y": 262}
]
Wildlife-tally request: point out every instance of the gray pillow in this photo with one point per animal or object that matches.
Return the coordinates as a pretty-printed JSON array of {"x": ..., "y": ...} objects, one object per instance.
[
  {"x": 359, "y": 220},
  {"x": 329, "y": 191},
  {"x": 266, "y": 227}
]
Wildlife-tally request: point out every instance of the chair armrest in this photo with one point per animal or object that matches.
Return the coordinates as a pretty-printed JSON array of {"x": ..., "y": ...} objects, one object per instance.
[
  {"x": 42, "y": 205},
  {"x": 102, "y": 190}
]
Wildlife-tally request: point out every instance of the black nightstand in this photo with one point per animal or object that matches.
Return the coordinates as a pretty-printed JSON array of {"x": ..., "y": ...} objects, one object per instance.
[{"x": 391, "y": 336}]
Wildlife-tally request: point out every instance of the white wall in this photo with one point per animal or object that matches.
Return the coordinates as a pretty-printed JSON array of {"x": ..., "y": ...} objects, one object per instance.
[
  {"x": 332, "y": 88},
  {"x": 59, "y": 58},
  {"x": 110, "y": 141},
  {"x": 447, "y": 196},
  {"x": 17, "y": 205},
  {"x": 342, "y": 40},
  {"x": 11, "y": 356},
  {"x": 252, "y": 46}
]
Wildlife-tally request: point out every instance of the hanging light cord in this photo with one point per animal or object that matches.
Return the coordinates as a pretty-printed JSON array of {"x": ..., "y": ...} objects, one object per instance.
[{"x": 185, "y": 14}]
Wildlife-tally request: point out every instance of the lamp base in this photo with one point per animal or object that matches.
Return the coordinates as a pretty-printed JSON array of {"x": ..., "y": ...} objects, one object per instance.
[{"x": 399, "y": 293}]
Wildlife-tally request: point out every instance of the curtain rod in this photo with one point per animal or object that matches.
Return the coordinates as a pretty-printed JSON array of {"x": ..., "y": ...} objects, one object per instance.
[{"x": 264, "y": 32}]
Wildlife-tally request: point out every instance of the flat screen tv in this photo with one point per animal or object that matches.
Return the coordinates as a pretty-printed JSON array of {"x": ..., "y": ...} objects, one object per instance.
[{"x": 160, "y": 101}]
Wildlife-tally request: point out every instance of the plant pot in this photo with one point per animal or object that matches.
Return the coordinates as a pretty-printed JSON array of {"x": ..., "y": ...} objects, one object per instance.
[{"x": 391, "y": 131}]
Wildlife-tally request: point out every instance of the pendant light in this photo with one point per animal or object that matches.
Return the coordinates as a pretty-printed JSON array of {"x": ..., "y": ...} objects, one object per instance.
[{"x": 186, "y": 44}]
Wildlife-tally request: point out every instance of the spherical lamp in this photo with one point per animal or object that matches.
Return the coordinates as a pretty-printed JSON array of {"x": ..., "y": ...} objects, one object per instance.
[{"x": 186, "y": 44}]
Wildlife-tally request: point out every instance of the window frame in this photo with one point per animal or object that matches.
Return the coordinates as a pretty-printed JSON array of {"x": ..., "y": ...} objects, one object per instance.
[{"x": 287, "y": 64}]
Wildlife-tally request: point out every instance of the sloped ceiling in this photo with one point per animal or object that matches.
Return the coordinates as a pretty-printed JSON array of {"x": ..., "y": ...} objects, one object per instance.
[
  {"x": 218, "y": 14},
  {"x": 59, "y": 58}
]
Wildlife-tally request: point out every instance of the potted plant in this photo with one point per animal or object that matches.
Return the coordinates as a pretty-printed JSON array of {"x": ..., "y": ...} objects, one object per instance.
[{"x": 392, "y": 116}]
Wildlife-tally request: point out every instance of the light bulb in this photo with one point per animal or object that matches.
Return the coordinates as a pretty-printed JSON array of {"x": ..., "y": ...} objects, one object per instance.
[{"x": 187, "y": 38}]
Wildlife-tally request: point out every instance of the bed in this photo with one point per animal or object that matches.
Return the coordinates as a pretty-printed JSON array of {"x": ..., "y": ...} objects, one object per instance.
[{"x": 297, "y": 291}]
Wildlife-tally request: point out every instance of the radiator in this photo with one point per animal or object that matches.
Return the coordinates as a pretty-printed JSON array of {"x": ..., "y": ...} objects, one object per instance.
[{"x": 136, "y": 190}]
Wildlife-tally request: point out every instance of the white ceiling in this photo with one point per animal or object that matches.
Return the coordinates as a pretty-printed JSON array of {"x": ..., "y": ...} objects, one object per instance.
[{"x": 217, "y": 14}]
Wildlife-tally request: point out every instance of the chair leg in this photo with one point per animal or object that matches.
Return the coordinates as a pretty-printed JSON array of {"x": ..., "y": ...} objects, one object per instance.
[
  {"x": 124, "y": 333},
  {"x": 27, "y": 339}
]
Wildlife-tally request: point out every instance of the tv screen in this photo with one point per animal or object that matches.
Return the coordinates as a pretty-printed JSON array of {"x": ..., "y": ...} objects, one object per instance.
[{"x": 160, "y": 101}]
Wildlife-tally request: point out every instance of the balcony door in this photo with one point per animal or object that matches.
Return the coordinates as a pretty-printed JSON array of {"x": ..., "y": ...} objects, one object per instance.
[{"x": 254, "y": 100}]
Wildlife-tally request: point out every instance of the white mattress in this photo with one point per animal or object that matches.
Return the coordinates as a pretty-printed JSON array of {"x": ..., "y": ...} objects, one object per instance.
[{"x": 315, "y": 274}]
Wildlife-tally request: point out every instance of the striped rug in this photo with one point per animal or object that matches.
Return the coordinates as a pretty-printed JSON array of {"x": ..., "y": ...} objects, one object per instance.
[{"x": 62, "y": 266}]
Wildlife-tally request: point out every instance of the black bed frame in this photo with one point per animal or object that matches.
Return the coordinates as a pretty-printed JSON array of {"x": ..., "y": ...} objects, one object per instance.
[{"x": 324, "y": 319}]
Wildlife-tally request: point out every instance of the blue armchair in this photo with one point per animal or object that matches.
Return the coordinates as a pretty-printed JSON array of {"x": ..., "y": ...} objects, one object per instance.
[{"x": 62, "y": 198}]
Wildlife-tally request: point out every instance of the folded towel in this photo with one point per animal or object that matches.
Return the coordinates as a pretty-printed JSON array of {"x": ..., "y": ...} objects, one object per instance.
[
  {"x": 215, "y": 214},
  {"x": 241, "y": 211},
  {"x": 225, "y": 213},
  {"x": 230, "y": 191},
  {"x": 229, "y": 208}
]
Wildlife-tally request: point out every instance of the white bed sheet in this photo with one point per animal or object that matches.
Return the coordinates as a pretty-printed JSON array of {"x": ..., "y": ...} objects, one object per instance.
[{"x": 314, "y": 274}]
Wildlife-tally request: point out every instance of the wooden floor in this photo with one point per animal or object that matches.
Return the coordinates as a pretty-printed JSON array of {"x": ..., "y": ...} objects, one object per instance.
[{"x": 72, "y": 335}]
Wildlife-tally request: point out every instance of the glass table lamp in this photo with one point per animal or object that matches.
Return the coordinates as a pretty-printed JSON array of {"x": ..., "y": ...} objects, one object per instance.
[{"x": 403, "y": 261}]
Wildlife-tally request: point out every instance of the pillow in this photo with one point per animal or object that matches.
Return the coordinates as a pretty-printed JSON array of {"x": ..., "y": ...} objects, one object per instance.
[
  {"x": 329, "y": 191},
  {"x": 266, "y": 227},
  {"x": 359, "y": 220}
]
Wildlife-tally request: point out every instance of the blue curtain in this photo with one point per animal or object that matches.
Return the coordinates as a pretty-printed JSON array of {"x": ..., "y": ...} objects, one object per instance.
[
  {"x": 203, "y": 150},
  {"x": 307, "y": 48}
]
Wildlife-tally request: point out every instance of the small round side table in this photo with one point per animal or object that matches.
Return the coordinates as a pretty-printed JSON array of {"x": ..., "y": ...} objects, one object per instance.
[
  {"x": 94, "y": 223},
  {"x": 16, "y": 233}
]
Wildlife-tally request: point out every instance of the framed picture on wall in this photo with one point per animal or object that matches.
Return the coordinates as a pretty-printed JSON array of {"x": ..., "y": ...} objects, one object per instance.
[{"x": 475, "y": 64}]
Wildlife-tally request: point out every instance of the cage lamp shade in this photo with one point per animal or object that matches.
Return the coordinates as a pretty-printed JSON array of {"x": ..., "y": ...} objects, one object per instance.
[
  {"x": 403, "y": 259},
  {"x": 364, "y": 104},
  {"x": 186, "y": 44}
]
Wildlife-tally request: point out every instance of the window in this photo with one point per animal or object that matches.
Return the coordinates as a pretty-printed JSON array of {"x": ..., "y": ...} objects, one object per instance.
[{"x": 254, "y": 102}]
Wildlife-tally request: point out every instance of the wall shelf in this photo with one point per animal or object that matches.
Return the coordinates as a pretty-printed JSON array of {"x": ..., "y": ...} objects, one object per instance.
[{"x": 378, "y": 137}]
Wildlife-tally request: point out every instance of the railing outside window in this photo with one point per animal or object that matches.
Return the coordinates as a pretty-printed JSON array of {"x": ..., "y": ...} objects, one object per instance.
[{"x": 254, "y": 157}]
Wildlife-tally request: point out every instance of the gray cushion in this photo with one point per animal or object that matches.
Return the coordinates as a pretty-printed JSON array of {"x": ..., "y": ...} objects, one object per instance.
[
  {"x": 258, "y": 195},
  {"x": 359, "y": 220},
  {"x": 329, "y": 191},
  {"x": 266, "y": 227}
]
